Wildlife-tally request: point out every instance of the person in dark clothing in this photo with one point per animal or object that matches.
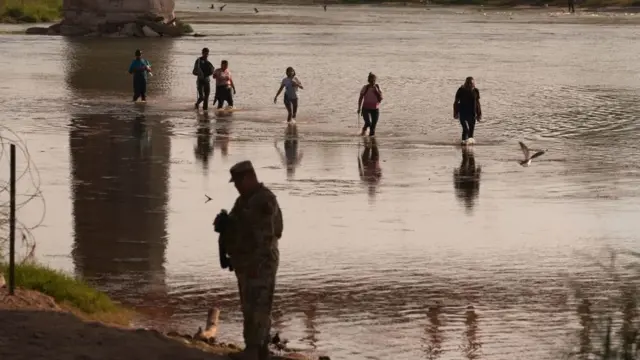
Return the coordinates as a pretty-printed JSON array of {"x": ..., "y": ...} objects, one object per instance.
[
  {"x": 572, "y": 8},
  {"x": 203, "y": 69},
  {"x": 140, "y": 68},
  {"x": 466, "y": 108}
]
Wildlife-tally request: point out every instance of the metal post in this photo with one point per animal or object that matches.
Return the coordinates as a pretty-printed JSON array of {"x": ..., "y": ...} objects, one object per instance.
[{"x": 12, "y": 221}]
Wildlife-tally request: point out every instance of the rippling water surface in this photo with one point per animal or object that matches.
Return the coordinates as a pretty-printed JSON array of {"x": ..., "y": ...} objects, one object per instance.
[{"x": 428, "y": 252}]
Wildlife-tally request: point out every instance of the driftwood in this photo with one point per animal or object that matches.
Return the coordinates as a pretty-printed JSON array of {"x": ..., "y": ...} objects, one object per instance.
[{"x": 211, "y": 328}]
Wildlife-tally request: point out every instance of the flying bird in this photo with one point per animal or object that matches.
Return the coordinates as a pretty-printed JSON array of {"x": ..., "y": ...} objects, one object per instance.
[
  {"x": 222, "y": 7},
  {"x": 208, "y": 198},
  {"x": 527, "y": 154},
  {"x": 212, "y": 6},
  {"x": 256, "y": 10}
]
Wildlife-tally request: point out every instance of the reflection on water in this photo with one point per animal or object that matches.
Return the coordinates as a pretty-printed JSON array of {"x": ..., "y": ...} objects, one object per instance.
[
  {"x": 369, "y": 166},
  {"x": 223, "y": 135},
  {"x": 434, "y": 337},
  {"x": 466, "y": 179},
  {"x": 204, "y": 146},
  {"x": 471, "y": 344},
  {"x": 120, "y": 171},
  {"x": 292, "y": 156},
  {"x": 310, "y": 320},
  {"x": 586, "y": 320}
]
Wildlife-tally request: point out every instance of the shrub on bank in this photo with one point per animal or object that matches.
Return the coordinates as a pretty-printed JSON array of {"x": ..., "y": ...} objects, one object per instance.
[
  {"x": 31, "y": 11},
  {"x": 62, "y": 288}
]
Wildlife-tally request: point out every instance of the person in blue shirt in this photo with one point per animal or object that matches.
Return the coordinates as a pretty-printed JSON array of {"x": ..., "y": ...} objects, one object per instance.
[{"x": 139, "y": 68}]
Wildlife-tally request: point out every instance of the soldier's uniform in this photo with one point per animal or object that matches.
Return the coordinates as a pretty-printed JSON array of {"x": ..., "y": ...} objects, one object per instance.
[{"x": 255, "y": 227}]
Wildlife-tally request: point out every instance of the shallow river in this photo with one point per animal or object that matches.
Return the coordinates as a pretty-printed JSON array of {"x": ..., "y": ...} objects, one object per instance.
[{"x": 383, "y": 265}]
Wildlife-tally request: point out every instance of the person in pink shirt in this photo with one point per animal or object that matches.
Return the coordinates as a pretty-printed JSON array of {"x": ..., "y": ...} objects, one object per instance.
[
  {"x": 369, "y": 104},
  {"x": 224, "y": 85}
]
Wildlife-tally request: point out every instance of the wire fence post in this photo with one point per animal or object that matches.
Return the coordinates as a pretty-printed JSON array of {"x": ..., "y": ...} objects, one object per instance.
[{"x": 12, "y": 221}]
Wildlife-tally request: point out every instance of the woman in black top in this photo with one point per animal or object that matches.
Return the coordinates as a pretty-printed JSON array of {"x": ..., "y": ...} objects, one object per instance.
[{"x": 466, "y": 108}]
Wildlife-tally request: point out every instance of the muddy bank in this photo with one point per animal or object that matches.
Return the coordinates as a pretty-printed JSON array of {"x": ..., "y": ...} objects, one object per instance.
[{"x": 34, "y": 324}]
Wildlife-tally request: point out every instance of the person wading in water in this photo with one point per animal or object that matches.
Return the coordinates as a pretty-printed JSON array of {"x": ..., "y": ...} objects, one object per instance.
[
  {"x": 139, "y": 68},
  {"x": 224, "y": 85},
  {"x": 466, "y": 108},
  {"x": 369, "y": 104},
  {"x": 203, "y": 69},
  {"x": 291, "y": 85}
]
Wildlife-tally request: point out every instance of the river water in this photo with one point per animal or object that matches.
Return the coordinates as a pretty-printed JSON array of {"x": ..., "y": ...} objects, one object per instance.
[{"x": 428, "y": 253}]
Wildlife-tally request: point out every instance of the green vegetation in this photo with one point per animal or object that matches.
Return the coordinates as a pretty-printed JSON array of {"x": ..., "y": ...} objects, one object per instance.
[
  {"x": 72, "y": 294},
  {"x": 184, "y": 27},
  {"x": 30, "y": 11}
]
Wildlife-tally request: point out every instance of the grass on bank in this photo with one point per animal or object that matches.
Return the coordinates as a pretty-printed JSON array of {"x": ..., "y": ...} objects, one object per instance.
[
  {"x": 71, "y": 294},
  {"x": 30, "y": 11}
]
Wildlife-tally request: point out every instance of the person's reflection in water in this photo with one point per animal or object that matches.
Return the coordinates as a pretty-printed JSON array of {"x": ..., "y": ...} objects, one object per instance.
[
  {"x": 310, "y": 323},
  {"x": 586, "y": 324},
  {"x": 471, "y": 346},
  {"x": 142, "y": 133},
  {"x": 466, "y": 179},
  {"x": 369, "y": 166},
  {"x": 433, "y": 348},
  {"x": 203, "y": 149},
  {"x": 222, "y": 136},
  {"x": 291, "y": 157}
]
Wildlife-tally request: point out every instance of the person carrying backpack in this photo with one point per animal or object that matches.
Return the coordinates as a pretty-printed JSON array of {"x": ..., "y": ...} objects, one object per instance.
[
  {"x": 203, "y": 69},
  {"x": 369, "y": 105}
]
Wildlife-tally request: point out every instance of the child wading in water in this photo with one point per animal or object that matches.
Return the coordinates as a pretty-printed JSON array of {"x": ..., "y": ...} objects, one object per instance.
[
  {"x": 369, "y": 104},
  {"x": 291, "y": 85}
]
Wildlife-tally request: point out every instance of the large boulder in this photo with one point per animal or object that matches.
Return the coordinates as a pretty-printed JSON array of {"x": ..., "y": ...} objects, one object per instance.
[
  {"x": 37, "y": 31},
  {"x": 73, "y": 30},
  {"x": 90, "y": 13},
  {"x": 148, "y": 32},
  {"x": 161, "y": 28},
  {"x": 133, "y": 30},
  {"x": 54, "y": 29}
]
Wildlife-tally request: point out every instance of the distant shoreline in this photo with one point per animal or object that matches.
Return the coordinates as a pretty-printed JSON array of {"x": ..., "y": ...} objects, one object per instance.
[{"x": 584, "y": 5}]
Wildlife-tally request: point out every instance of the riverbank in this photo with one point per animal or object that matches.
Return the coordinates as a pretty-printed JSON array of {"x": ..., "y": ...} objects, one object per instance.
[
  {"x": 30, "y": 11},
  {"x": 46, "y": 289},
  {"x": 38, "y": 11},
  {"x": 51, "y": 311}
]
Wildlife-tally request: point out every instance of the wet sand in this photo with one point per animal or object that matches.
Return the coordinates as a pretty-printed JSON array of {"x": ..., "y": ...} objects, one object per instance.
[{"x": 380, "y": 257}]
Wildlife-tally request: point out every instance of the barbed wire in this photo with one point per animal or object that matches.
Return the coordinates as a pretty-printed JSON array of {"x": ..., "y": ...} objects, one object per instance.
[{"x": 27, "y": 191}]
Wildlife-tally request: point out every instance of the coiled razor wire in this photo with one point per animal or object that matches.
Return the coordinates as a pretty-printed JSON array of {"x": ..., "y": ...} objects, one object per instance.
[{"x": 27, "y": 193}]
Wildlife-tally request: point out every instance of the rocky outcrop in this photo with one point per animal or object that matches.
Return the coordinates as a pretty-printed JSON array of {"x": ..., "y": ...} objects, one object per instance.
[
  {"x": 117, "y": 18},
  {"x": 144, "y": 26},
  {"x": 91, "y": 13}
]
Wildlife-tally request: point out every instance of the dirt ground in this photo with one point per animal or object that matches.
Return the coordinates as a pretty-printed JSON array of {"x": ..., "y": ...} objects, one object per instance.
[{"x": 33, "y": 326}]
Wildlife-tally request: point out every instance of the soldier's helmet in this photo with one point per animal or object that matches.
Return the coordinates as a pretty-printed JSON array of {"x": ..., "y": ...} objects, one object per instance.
[{"x": 240, "y": 169}]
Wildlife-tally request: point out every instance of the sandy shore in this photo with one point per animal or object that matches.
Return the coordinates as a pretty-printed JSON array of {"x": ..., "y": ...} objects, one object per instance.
[{"x": 33, "y": 326}]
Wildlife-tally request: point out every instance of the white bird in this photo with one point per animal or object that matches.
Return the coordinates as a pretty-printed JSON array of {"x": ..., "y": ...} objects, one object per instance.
[{"x": 527, "y": 154}]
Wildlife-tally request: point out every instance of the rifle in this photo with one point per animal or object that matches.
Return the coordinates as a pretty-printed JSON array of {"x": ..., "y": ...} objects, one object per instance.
[{"x": 220, "y": 225}]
